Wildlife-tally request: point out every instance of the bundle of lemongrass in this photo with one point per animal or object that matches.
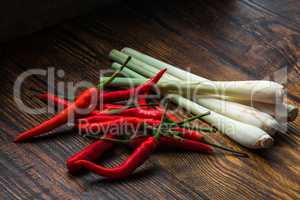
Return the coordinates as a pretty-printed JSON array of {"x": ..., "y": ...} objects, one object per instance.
[{"x": 249, "y": 112}]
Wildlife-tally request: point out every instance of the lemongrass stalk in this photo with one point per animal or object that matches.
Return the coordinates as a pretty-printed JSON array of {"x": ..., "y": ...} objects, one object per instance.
[
  {"x": 282, "y": 112},
  {"x": 257, "y": 91},
  {"x": 128, "y": 72},
  {"x": 245, "y": 134},
  {"x": 174, "y": 71},
  {"x": 217, "y": 88},
  {"x": 126, "y": 82},
  {"x": 242, "y": 113},
  {"x": 182, "y": 74},
  {"x": 292, "y": 111},
  {"x": 134, "y": 64},
  {"x": 268, "y": 92}
]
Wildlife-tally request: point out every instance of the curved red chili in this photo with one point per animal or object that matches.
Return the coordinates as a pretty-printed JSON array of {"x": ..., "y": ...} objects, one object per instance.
[
  {"x": 83, "y": 102},
  {"x": 92, "y": 152},
  {"x": 139, "y": 156}
]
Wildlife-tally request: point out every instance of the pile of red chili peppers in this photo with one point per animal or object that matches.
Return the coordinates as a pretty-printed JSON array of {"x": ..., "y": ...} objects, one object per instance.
[{"x": 163, "y": 130}]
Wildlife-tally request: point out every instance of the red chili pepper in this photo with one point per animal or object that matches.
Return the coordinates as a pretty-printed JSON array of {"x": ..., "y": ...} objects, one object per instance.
[
  {"x": 169, "y": 142},
  {"x": 57, "y": 101},
  {"x": 92, "y": 152},
  {"x": 101, "y": 116},
  {"x": 125, "y": 94},
  {"x": 142, "y": 100},
  {"x": 134, "y": 111},
  {"x": 139, "y": 156},
  {"x": 189, "y": 134},
  {"x": 83, "y": 102},
  {"x": 142, "y": 113},
  {"x": 112, "y": 106},
  {"x": 97, "y": 118},
  {"x": 173, "y": 117}
]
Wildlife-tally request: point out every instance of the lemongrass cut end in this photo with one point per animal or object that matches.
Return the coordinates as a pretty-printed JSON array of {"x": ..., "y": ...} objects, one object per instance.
[
  {"x": 265, "y": 141},
  {"x": 292, "y": 112}
]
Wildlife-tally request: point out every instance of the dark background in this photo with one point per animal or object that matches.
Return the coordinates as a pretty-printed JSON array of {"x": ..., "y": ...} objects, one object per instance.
[
  {"x": 21, "y": 17},
  {"x": 220, "y": 40}
]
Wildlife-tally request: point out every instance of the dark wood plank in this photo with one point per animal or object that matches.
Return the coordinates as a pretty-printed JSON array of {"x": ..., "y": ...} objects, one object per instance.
[
  {"x": 223, "y": 40},
  {"x": 285, "y": 9}
]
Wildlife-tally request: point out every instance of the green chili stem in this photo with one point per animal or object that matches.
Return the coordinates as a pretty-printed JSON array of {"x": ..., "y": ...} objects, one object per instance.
[
  {"x": 140, "y": 105},
  {"x": 188, "y": 119},
  {"x": 163, "y": 117},
  {"x": 201, "y": 129},
  {"x": 191, "y": 118},
  {"x": 115, "y": 74},
  {"x": 114, "y": 140},
  {"x": 242, "y": 154},
  {"x": 149, "y": 104},
  {"x": 176, "y": 135}
]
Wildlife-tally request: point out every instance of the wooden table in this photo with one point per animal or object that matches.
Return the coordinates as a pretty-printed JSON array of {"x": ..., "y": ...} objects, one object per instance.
[{"x": 220, "y": 40}]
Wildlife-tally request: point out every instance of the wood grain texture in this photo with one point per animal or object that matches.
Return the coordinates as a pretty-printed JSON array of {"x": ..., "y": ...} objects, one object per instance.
[{"x": 220, "y": 40}]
